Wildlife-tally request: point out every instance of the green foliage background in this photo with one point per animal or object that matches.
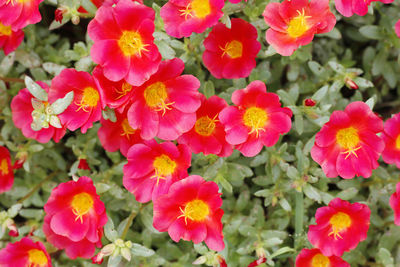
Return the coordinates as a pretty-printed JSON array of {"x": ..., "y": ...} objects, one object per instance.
[{"x": 269, "y": 200}]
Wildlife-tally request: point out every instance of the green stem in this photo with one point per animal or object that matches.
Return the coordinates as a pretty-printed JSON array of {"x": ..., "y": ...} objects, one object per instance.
[
  {"x": 299, "y": 218},
  {"x": 37, "y": 187},
  {"x": 130, "y": 220},
  {"x": 15, "y": 80}
]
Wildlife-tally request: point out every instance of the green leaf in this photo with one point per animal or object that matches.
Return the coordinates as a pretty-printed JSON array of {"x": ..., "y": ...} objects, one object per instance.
[
  {"x": 35, "y": 89},
  {"x": 312, "y": 193},
  {"x": 139, "y": 250},
  {"x": 109, "y": 231},
  {"x": 60, "y": 105},
  {"x": 371, "y": 32}
]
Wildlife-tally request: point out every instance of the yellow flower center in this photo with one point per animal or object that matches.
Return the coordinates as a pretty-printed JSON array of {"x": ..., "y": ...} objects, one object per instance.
[
  {"x": 81, "y": 204},
  {"x": 256, "y": 119},
  {"x": 197, "y": 8},
  {"x": 37, "y": 257},
  {"x": 234, "y": 49},
  {"x": 298, "y": 25},
  {"x": 126, "y": 129},
  {"x": 320, "y": 260},
  {"x": 125, "y": 88},
  {"x": 131, "y": 44},
  {"x": 205, "y": 126},
  {"x": 196, "y": 210},
  {"x": 348, "y": 139},
  {"x": 4, "y": 168},
  {"x": 155, "y": 96},
  {"x": 339, "y": 222},
  {"x": 90, "y": 98},
  {"x": 398, "y": 142},
  {"x": 163, "y": 166},
  {"x": 5, "y": 30}
]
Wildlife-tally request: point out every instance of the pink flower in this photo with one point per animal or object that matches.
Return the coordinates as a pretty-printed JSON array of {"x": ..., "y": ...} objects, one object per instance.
[
  {"x": 6, "y": 170},
  {"x": 183, "y": 17},
  {"x": 391, "y": 137},
  {"x": 231, "y": 53},
  {"x": 123, "y": 42},
  {"x": 339, "y": 227},
  {"x": 208, "y": 134},
  {"x": 75, "y": 217},
  {"x": 21, "y": 108},
  {"x": 397, "y": 28},
  {"x": 191, "y": 211},
  {"x": 360, "y": 7},
  {"x": 314, "y": 258},
  {"x": 86, "y": 106},
  {"x": 25, "y": 253},
  {"x": 294, "y": 23},
  {"x": 10, "y": 39},
  {"x": 165, "y": 106},
  {"x": 257, "y": 120},
  {"x": 152, "y": 168},
  {"x": 118, "y": 135},
  {"x": 19, "y": 14},
  {"x": 395, "y": 204},
  {"x": 115, "y": 95},
  {"x": 348, "y": 145}
]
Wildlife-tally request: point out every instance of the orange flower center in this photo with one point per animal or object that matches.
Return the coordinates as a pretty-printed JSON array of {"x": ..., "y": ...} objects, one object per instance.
[
  {"x": 125, "y": 88},
  {"x": 4, "y": 168},
  {"x": 37, "y": 257},
  {"x": 163, "y": 166},
  {"x": 155, "y": 96},
  {"x": 348, "y": 139},
  {"x": 196, "y": 210},
  {"x": 81, "y": 204},
  {"x": 126, "y": 129},
  {"x": 205, "y": 126},
  {"x": 5, "y": 30},
  {"x": 298, "y": 25},
  {"x": 131, "y": 44},
  {"x": 320, "y": 260},
  {"x": 339, "y": 222},
  {"x": 197, "y": 8},
  {"x": 398, "y": 142},
  {"x": 255, "y": 118},
  {"x": 90, "y": 98},
  {"x": 234, "y": 49}
]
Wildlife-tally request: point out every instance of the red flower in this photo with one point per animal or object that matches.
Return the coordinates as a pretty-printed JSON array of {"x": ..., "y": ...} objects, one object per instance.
[
  {"x": 6, "y": 170},
  {"x": 257, "y": 120},
  {"x": 118, "y": 135},
  {"x": 348, "y": 145},
  {"x": 231, "y": 53},
  {"x": 25, "y": 253},
  {"x": 314, "y": 258},
  {"x": 395, "y": 204},
  {"x": 397, "y": 28},
  {"x": 152, "y": 168},
  {"x": 86, "y": 105},
  {"x": 123, "y": 42},
  {"x": 339, "y": 227},
  {"x": 165, "y": 106},
  {"x": 115, "y": 95},
  {"x": 360, "y": 7},
  {"x": 294, "y": 22},
  {"x": 21, "y": 108},
  {"x": 191, "y": 211},
  {"x": 183, "y": 17},
  {"x": 208, "y": 134},
  {"x": 75, "y": 217},
  {"x": 19, "y": 14},
  {"x": 391, "y": 137},
  {"x": 10, "y": 39}
]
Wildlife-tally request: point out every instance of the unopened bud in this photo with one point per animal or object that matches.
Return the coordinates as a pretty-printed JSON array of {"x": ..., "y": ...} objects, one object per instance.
[
  {"x": 222, "y": 262},
  {"x": 75, "y": 19},
  {"x": 257, "y": 262},
  {"x": 107, "y": 250},
  {"x": 21, "y": 158},
  {"x": 200, "y": 260},
  {"x": 309, "y": 102},
  {"x": 98, "y": 259},
  {"x": 126, "y": 253},
  {"x": 13, "y": 231},
  {"x": 83, "y": 165},
  {"x": 351, "y": 84}
]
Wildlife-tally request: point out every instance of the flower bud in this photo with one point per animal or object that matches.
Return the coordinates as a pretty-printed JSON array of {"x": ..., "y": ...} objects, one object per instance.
[
  {"x": 75, "y": 19},
  {"x": 309, "y": 102},
  {"x": 83, "y": 165},
  {"x": 98, "y": 259},
  {"x": 126, "y": 253},
  {"x": 200, "y": 260},
  {"x": 351, "y": 84}
]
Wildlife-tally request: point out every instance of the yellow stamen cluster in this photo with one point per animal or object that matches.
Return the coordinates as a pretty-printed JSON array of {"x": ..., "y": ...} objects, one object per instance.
[
  {"x": 125, "y": 88},
  {"x": 233, "y": 49},
  {"x": 205, "y": 126},
  {"x": 126, "y": 129},
  {"x": 196, "y": 8},
  {"x": 81, "y": 204},
  {"x": 5, "y": 30},
  {"x": 196, "y": 210},
  {"x": 131, "y": 43},
  {"x": 320, "y": 260},
  {"x": 4, "y": 168},
  {"x": 339, "y": 223},
  {"x": 156, "y": 95},
  {"x": 298, "y": 25},
  {"x": 255, "y": 118},
  {"x": 348, "y": 139},
  {"x": 90, "y": 98},
  {"x": 37, "y": 257},
  {"x": 163, "y": 166}
]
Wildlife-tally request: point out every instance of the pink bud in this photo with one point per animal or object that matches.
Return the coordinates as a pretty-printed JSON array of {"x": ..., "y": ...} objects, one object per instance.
[
  {"x": 98, "y": 259},
  {"x": 257, "y": 262},
  {"x": 351, "y": 84},
  {"x": 309, "y": 102}
]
